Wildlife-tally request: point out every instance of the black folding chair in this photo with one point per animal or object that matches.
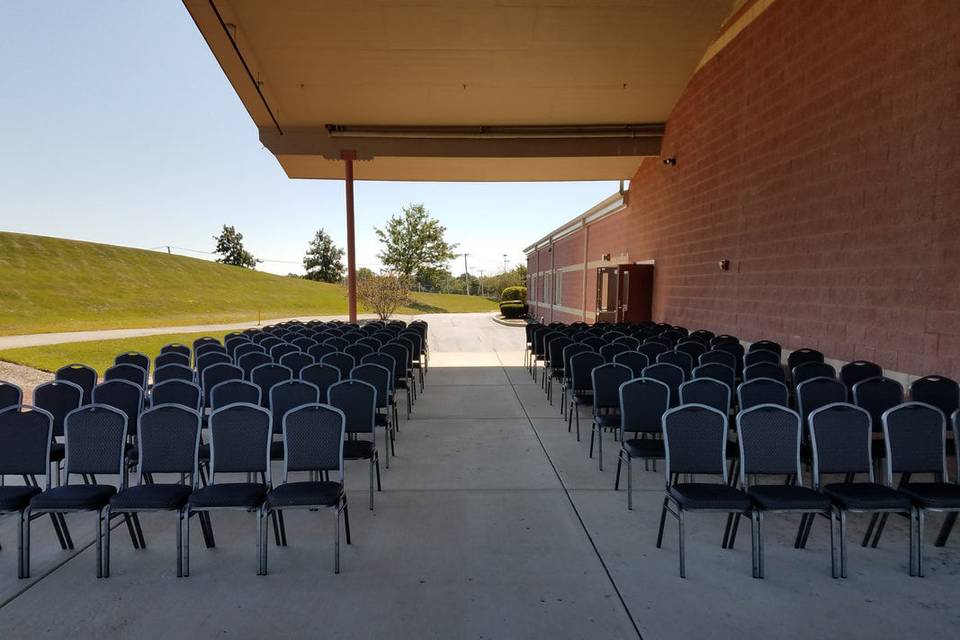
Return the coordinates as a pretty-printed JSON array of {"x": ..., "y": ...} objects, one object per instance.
[
  {"x": 643, "y": 401},
  {"x": 357, "y": 400},
  {"x": 605, "y": 382},
  {"x": 82, "y": 375},
  {"x": 313, "y": 441},
  {"x": 181, "y": 392}
]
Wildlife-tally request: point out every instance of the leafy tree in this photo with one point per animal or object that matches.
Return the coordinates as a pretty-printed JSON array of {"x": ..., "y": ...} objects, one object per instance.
[
  {"x": 382, "y": 294},
  {"x": 230, "y": 248},
  {"x": 364, "y": 272},
  {"x": 322, "y": 261},
  {"x": 414, "y": 242},
  {"x": 434, "y": 279}
]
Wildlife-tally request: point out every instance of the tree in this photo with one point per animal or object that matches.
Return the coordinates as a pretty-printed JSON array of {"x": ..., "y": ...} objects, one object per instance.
[
  {"x": 414, "y": 242},
  {"x": 322, "y": 261},
  {"x": 230, "y": 248},
  {"x": 382, "y": 294},
  {"x": 364, "y": 272},
  {"x": 433, "y": 279}
]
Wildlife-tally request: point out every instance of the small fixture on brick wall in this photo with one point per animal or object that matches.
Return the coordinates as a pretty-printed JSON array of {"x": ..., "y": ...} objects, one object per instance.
[
  {"x": 605, "y": 257},
  {"x": 670, "y": 162},
  {"x": 724, "y": 264}
]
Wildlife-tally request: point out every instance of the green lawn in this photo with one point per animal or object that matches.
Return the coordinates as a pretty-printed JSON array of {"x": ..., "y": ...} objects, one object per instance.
[{"x": 51, "y": 284}]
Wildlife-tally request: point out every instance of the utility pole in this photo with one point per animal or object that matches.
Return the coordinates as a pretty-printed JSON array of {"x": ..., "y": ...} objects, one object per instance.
[
  {"x": 481, "y": 282},
  {"x": 168, "y": 250},
  {"x": 504, "y": 263},
  {"x": 466, "y": 274}
]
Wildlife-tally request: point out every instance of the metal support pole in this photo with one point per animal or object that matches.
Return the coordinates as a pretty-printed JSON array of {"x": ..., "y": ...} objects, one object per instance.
[{"x": 348, "y": 158}]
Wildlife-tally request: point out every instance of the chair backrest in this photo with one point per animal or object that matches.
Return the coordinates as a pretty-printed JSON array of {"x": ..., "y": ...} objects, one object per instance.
[
  {"x": 179, "y": 392},
  {"x": 250, "y": 361},
  {"x": 581, "y": 364},
  {"x": 858, "y": 371},
  {"x": 205, "y": 340},
  {"x": 703, "y": 336},
  {"x": 399, "y": 354},
  {"x": 245, "y": 348},
  {"x": 652, "y": 349},
  {"x": 371, "y": 342},
  {"x": 82, "y": 375},
  {"x": 269, "y": 343},
  {"x": 169, "y": 441},
  {"x": 313, "y": 437},
  {"x": 915, "y": 435},
  {"x": 633, "y": 359},
  {"x": 170, "y": 357},
  {"x": 594, "y": 342},
  {"x": 706, "y": 391},
  {"x": 669, "y": 374},
  {"x": 95, "y": 437},
  {"x": 26, "y": 433},
  {"x": 234, "y": 391},
  {"x": 555, "y": 350},
  {"x": 876, "y": 395},
  {"x": 630, "y": 342},
  {"x": 723, "y": 338},
  {"x": 766, "y": 345},
  {"x": 278, "y": 351},
  {"x": 938, "y": 391},
  {"x": 809, "y": 370},
  {"x": 769, "y": 437},
  {"x": 133, "y": 357},
  {"x": 609, "y": 351},
  {"x": 718, "y": 356},
  {"x": 296, "y": 361},
  {"x": 215, "y": 374},
  {"x": 122, "y": 395},
  {"x": 660, "y": 339},
  {"x": 58, "y": 398},
  {"x": 719, "y": 372},
  {"x": 342, "y": 361},
  {"x": 840, "y": 435},
  {"x": 357, "y": 400},
  {"x": 762, "y": 391},
  {"x": 802, "y": 356},
  {"x": 209, "y": 359},
  {"x": 289, "y": 394},
  {"x": 129, "y": 372},
  {"x": 320, "y": 350},
  {"x": 734, "y": 348},
  {"x": 304, "y": 343},
  {"x": 678, "y": 358},
  {"x": 240, "y": 436},
  {"x": 376, "y": 375},
  {"x": 267, "y": 375},
  {"x": 571, "y": 350},
  {"x": 695, "y": 439},
  {"x": 176, "y": 347},
  {"x": 819, "y": 392},
  {"x": 605, "y": 382},
  {"x": 172, "y": 372},
  {"x": 756, "y": 356},
  {"x": 357, "y": 351},
  {"x": 208, "y": 349},
  {"x": 337, "y": 343},
  {"x": 643, "y": 401},
  {"x": 692, "y": 348}
]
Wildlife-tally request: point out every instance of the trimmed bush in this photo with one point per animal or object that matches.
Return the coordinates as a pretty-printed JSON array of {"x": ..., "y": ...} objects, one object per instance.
[
  {"x": 513, "y": 309},
  {"x": 518, "y": 294}
]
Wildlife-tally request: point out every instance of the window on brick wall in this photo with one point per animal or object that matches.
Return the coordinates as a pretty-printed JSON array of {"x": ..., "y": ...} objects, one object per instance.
[{"x": 557, "y": 287}]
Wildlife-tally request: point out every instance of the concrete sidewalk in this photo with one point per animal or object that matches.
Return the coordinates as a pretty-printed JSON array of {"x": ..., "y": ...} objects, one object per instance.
[{"x": 493, "y": 523}]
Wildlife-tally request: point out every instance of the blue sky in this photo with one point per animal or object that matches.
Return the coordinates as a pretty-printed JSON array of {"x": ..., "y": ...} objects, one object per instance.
[{"x": 119, "y": 127}]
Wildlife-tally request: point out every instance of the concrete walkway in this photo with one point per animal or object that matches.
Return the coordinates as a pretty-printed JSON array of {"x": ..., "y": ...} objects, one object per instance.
[{"x": 493, "y": 523}]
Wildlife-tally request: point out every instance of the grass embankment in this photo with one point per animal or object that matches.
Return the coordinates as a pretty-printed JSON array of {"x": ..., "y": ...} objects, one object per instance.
[{"x": 51, "y": 284}]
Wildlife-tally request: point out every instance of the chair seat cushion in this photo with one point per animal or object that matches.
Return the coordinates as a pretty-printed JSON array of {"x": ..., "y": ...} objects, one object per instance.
[
  {"x": 607, "y": 420},
  {"x": 866, "y": 495},
  {"x": 229, "y": 494},
  {"x": 293, "y": 494},
  {"x": 74, "y": 496},
  {"x": 151, "y": 496},
  {"x": 357, "y": 449},
  {"x": 784, "y": 497},
  {"x": 645, "y": 448},
  {"x": 16, "y": 498},
  {"x": 933, "y": 495},
  {"x": 703, "y": 495}
]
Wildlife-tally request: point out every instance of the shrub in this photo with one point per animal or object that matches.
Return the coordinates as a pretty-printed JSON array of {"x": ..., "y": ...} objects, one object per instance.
[
  {"x": 513, "y": 309},
  {"x": 382, "y": 294},
  {"x": 514, "y": 294}
]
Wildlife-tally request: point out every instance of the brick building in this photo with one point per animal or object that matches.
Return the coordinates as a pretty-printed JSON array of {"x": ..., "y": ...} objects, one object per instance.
[{"x": 817, "y": 149}]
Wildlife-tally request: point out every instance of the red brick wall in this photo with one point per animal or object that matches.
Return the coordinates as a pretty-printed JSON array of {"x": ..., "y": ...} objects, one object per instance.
[{"x": 819, "y": 152}]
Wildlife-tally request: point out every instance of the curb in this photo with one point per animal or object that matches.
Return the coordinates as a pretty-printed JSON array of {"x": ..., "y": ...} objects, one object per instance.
[{"x": 499, "y": 319}]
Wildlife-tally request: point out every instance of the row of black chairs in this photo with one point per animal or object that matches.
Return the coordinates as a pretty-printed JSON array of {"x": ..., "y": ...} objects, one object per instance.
[{"x": 595, "y": 363}]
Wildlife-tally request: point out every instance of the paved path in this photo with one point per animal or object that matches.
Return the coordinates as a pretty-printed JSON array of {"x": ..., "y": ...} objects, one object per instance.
[{"x": 493, "y": 523}]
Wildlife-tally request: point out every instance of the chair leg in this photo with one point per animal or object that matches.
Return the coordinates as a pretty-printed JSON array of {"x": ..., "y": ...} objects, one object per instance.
[
  {"x": 726, "y": 532},
  {"x": 100, "y": 542},
  {"x": 920, "y": 523},
  {"x": 806, "y": 534},
  {"x": 630, "y": 485},
  {"x": 371, "y": 484},
  {"x": 760, "y": 543},
  {"x": 755, "y": 540},
  {"x": 616, "y": 479},
  {"x": 880, "y": 526},
  {"x": 346, "y": 518},
  {"x": 133, "y": 532},
  {"x": 66, "y": 531},
  {"x": 800, "y": 530},
  {"x": 577, "y": 412},
  {"x": 283, "y": 528},
  {"x": 21, "y": 569},
  {"x": 276, "y": 528},
  {"x": 336, "y": 545},
  {"x": 946, "y": 528},
  {"x": 206, "y": 527},
  {"x": 186, "y": 542},
  {"x": 261, "y": 570},
  {"x": 912, "y": 564},
  {"x": 600, "y": 447},
  {"x": 179, "y": 543},
  {"x": 593, "y": 430},
  {"x": 570, "y": 417},
  {"x": 843, "y": 544},
  {"x": 379, "y": 487},
  {"x": 833, "y": 542},
  {"x": 683, "y": 558},
  {"x": 26, "y": 542},
  {"x": 866, "y": 536},
  {"x": 663, "y": 518},
  {"x": 136, "y": 526},
  {"x": 732, "y": 539},
  {"x": 106, "y": 546}
]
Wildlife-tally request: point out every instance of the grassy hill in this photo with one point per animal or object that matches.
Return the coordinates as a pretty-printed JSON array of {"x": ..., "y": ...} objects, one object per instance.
[{"x": 51, "y": 284}]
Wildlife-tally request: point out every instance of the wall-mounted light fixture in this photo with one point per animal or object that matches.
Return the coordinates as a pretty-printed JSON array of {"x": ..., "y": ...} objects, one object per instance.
[
  {"x": 724, "y": 264},
  {"x": 670, "y": 162},
  {"x": 606, "y": 257}
]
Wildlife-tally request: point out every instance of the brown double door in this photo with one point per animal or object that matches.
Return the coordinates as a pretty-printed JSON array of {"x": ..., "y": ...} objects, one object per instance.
[{"x": 625, "y": 293}]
